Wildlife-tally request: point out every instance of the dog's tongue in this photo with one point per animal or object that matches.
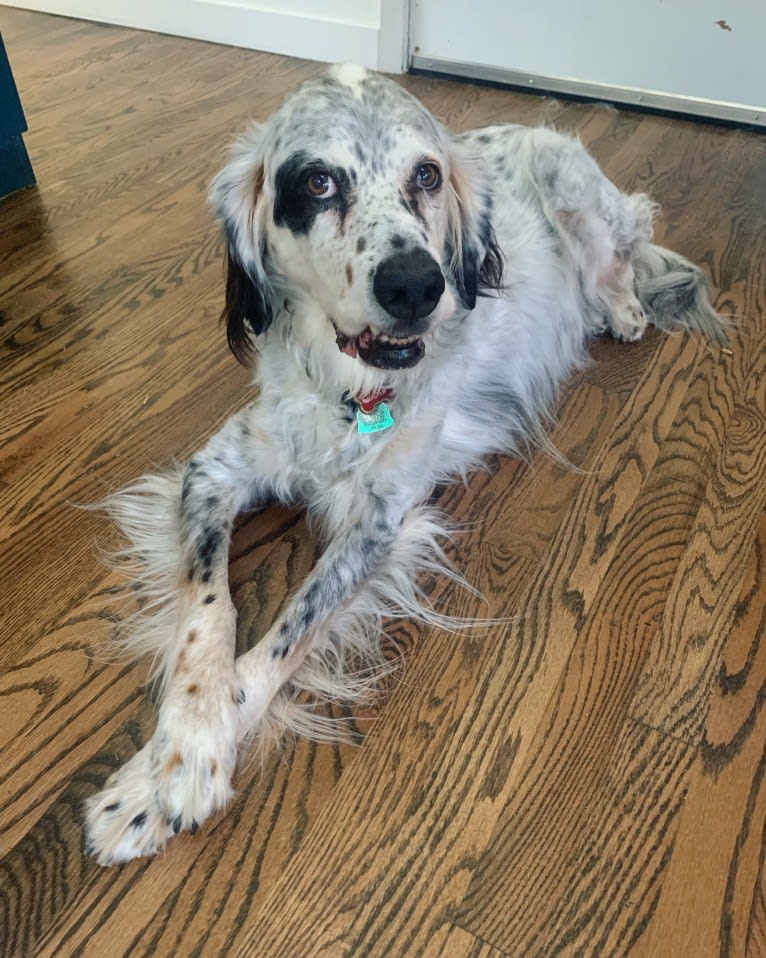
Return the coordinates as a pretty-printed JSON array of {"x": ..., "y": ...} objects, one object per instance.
[
  {"x": 346, "y": 344},
  {"x": 350, "y": 346}
]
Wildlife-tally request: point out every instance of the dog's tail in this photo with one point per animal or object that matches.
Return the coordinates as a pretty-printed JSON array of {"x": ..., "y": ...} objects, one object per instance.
[{"x": 675, "y": 293}]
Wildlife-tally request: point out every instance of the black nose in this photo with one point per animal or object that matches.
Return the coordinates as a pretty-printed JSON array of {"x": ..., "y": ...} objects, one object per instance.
[{"x": 408, "y": 285}]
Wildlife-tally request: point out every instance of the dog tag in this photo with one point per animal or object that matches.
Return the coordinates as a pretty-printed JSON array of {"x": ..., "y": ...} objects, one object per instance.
[{"x": 376, "y": 421}]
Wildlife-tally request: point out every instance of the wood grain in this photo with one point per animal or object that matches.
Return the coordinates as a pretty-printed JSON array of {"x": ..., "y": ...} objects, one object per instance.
[
  {"x": 725, "y": 809},
  {"x": 457, "y": 943},
  {"x": 584, "y": 777}
]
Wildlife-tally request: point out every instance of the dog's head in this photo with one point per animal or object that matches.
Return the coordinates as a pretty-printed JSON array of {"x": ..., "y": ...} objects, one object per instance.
[{"x": 354, "y": 205}]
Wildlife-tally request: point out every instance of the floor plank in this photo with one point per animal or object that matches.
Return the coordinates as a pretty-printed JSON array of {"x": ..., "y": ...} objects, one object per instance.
[
  {"x": 719, "y": 855},
  {"x": 584, "y": 778}
]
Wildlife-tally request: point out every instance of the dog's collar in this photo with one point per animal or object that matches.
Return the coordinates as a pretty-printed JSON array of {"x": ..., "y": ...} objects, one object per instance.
[
  {"x": 369, "y": 401},
  {"x": 372, "y": 412}
]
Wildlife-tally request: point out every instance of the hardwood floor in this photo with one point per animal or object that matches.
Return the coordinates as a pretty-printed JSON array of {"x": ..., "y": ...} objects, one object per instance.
[{"x": 586, "y": 779}]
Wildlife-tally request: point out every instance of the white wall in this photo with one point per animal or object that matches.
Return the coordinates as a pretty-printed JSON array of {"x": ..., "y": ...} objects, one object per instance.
[
  {"x": 710, "y": 51},
  {"x": 363, "y": 31}
]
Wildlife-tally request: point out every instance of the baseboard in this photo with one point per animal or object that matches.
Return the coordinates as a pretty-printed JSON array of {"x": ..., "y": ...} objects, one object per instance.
[{"x": 238, "y": 24}]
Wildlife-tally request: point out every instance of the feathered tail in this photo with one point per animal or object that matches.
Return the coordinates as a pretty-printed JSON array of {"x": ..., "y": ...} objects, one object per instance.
[{"x": 675, "y": 293}]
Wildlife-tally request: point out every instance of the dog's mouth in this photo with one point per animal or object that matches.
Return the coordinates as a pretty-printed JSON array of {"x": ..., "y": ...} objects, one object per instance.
[{"x": 382, "y": 351}]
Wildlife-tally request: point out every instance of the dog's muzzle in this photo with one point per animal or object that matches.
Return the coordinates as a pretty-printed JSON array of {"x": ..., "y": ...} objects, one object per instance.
[{"x": 408, "y": 286}]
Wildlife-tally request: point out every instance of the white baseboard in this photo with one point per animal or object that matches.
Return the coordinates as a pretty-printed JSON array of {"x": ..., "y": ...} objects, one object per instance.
[{"x": 242, "y": 24}]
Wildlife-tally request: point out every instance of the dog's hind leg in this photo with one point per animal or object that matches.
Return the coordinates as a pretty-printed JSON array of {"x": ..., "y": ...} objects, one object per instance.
[
  {"x": 601, "y": 230},
  {"x": 179, "y": 529},
  {"x": 625, "y": 317}
]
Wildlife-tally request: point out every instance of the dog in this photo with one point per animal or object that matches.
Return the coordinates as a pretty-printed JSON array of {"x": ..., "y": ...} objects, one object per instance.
[{"x": 413, "y": 301}]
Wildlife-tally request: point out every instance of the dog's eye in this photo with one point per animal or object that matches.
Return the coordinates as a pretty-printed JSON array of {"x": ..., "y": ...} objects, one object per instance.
[
  {"x": 321, "y": 185},
  {"x": 428, "y": 176}
]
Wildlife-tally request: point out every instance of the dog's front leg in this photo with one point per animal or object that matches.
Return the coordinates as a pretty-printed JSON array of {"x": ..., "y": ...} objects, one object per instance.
[
  {"x": 349, "y": 563},
  {"x": 183, "y": 774}
]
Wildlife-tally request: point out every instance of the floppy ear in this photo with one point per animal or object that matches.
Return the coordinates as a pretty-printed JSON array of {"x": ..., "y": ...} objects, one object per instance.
[
  {"x": 476, "y": 260},
  {"x": 237, "y": 195}
]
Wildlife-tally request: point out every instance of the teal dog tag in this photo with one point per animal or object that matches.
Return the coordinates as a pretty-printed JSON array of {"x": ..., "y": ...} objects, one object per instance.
[{"x": 376, "y": 421}]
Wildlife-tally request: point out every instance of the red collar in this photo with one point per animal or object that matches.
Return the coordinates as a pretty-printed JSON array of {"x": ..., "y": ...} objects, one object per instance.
[{"x": 369, "y": 401}]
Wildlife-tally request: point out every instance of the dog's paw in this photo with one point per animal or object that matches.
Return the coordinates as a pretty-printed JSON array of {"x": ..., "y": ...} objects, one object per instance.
[
  {"x": 124, "y": 820},
  {"x": 627, "y": 322},
  {"x": 194, "y": 752}
]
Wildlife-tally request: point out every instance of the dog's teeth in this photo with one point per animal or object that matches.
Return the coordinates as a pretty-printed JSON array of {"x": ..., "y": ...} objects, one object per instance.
[{"x": 395, "y": 340}]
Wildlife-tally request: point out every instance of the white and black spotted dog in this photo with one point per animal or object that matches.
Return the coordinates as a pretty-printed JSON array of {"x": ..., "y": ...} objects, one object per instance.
[{"x": 413, "y": 300}]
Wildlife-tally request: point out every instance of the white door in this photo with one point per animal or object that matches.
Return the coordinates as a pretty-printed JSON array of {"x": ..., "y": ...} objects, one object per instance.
[{"x": 705, "y": 57}]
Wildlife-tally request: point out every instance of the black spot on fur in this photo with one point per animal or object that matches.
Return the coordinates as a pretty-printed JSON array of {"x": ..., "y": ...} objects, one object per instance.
[
  {"x": 209, "y": 546},
  {"x": 186, "y": 486},
  {"x": 361, "y": 244},
  {"x": 209, "y": 598},
  {"x": 113, "y": 807},
  {"x": 139, "y": 820},
  {"x": 307, "y": 619},
  {"x": 398, "y": 241},
  {"x": 480, "y": 272},
  {"x": 247, "y": 308},
  {"x": 294, "y": 206},
  {"x": 491, "y": 272},
  {"x": 312, "y": 593}
]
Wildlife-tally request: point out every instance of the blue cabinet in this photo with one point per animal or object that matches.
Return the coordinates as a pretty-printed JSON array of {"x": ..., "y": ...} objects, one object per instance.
[{"x": 15, "y": 168}]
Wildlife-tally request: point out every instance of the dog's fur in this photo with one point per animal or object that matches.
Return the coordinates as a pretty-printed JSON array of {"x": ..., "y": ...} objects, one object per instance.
[{"x": 538, "y": 251}]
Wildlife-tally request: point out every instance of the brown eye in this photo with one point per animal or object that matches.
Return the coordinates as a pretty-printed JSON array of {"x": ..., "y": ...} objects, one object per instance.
[
  {"x": 428, "y": 177},
  {"x": 321, "y": 185}
]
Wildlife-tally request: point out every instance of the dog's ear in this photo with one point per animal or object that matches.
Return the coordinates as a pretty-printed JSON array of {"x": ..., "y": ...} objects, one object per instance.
[
  {"x": 476, "y": 262},
  {"x": 237, "y": 195}
]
